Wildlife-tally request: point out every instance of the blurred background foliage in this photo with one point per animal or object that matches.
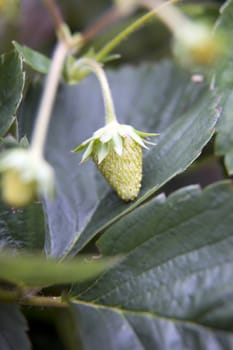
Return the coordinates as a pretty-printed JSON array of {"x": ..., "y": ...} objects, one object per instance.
[{"x": 28, "y": 22}]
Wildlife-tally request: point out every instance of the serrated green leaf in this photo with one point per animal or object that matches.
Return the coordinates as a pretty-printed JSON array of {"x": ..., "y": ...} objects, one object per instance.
[
  {"x": 11, "y": 88},
  {"x": 13, "y": 328},
  {"x": 176, "y": 275},
  {"x": 34, "y": 59},
  {"x": 154, "y": 98},
  {"x": 36, "y": 270}
]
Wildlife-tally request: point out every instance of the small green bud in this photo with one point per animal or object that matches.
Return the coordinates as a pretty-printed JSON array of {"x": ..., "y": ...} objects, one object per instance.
[{"x": 117, "y": 151}]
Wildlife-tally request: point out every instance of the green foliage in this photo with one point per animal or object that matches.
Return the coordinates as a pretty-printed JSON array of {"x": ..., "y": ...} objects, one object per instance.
[
  {"x": 29, "y": 220},
  {"x": 224, "y": 81},
  {"x": 179, "y": 115},
  {"x": 34, "y": 59},
  {"x": 175, "y": 277},
  {"x": 11, "y": 87},
  {"x": 155, "y": 273}
]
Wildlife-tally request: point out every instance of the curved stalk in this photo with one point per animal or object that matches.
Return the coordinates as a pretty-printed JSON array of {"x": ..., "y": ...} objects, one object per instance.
[{"x": 96, "y": 68}]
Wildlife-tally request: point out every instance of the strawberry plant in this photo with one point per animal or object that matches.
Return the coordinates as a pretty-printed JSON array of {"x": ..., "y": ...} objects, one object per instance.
[{"x": 116, "y": 158}]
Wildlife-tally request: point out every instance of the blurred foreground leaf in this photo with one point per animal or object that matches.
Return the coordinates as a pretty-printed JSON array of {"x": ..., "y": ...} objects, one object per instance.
[{"x": 35, "y": 270}]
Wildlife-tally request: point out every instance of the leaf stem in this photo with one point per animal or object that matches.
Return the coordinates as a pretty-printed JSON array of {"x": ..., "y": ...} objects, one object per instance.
[
  {"x": 19, "y": 297},
  {"x": 171, "y": 16},
  {"x": 44, "y": 301},
  {"x": 110, "y": 115},
  {"x": 131, "y": 29},
  {"x": 47, "y": 100}
]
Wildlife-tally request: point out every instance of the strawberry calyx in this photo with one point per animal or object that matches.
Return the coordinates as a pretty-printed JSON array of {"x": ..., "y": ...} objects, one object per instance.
[{"x": 111, "y": 137}]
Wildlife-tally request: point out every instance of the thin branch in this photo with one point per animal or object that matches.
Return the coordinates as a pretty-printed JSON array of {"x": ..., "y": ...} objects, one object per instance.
[
  {"x": 54, "y": 12},
  {"x": 57, "y": 17},
  {"x": 107, "y": 19}
]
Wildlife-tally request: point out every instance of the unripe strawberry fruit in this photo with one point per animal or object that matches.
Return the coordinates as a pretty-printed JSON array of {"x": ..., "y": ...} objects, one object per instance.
[
  {"x": 124, "y": 173},
  {"x": 15, "y": 192},
  {"x": 117, "y": 151},
  {"x": 24, "y": 175}
]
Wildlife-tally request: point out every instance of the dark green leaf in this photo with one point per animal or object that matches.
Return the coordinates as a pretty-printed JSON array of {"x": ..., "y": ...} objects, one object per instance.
[
  {"x": 177, "y": 250},
  {"x": 224, "y": 76},
  {"x": 11, "y": 87},
  {"x": 224, "y": 139},
  {"x": 22, "y": 228},
  {"x": 34, "y": 59},
  {"x": 153, "y": 98},
  {"x": 224, "y": 81},
  {"x": 176, "y": 275},
  {"x": 35, "y": 270},
  {"x": 13, "y": 329},
  {"x": 104, "y": 328}
]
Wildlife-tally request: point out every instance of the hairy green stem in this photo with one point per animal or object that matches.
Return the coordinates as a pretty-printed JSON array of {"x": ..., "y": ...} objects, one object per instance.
[{"x": 96, "y": 68}]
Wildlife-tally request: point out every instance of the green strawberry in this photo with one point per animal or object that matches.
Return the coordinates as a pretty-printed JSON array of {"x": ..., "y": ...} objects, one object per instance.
[
  {"x": 25, "y": 175},
  {"x": 124, "y": 173},
  {"x": 117, "y": 151}
]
